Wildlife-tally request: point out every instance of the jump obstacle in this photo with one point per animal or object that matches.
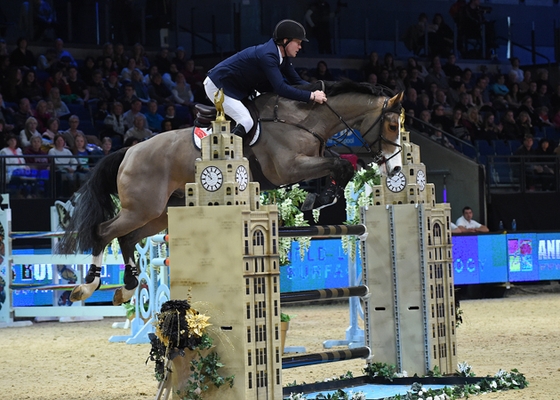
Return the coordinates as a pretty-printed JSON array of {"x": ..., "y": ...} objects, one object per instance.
[{"x": 73, "y": 264}]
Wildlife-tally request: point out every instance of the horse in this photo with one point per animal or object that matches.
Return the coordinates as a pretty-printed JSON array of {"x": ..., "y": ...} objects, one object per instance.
[{"x": 151, "y": 175}]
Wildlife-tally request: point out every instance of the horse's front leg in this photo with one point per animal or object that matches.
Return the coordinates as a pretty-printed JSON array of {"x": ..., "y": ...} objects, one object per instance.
[
  {"x": 339, "y": 171},
  {"x": 92, "y": 281}
]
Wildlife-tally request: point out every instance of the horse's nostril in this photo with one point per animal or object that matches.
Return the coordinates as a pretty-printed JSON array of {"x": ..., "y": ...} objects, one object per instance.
[{"x": 395, "y": 170}]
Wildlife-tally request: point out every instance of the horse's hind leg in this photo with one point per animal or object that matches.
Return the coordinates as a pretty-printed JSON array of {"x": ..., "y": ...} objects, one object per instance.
[
  {"x": 92, "y": 280},
  {"x": 127, "y": 244}
]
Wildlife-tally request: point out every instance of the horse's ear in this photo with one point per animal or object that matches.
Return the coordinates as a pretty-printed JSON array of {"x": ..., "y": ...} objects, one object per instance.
[{"x": 396, "y": 100}]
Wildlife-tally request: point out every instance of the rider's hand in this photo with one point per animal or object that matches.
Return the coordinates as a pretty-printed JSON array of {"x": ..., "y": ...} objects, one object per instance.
[{"x": 318, "y": 96}]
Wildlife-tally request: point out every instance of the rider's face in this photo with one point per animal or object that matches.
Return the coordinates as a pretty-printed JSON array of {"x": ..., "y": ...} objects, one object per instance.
[{"x": 293, "y": 47}]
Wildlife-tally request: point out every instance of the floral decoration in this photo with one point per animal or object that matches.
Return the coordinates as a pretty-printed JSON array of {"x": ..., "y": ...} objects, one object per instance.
[
  {"x": 289, "y": 201},
  {"x": 181, "y": 330}
]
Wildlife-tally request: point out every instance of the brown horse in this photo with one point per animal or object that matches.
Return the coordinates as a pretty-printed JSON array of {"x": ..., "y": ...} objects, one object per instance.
[{"x": 151, "y": 175}]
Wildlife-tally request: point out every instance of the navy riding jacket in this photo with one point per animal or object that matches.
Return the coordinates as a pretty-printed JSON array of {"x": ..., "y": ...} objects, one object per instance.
[{"x": 258, "y": 68}]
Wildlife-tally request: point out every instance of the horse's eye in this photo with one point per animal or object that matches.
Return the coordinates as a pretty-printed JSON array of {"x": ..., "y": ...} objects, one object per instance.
[{"x": 393, "y": 127}]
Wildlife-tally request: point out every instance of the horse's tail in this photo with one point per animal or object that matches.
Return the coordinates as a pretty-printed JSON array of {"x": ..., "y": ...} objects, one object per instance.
[{"x": 94, "y": 203}]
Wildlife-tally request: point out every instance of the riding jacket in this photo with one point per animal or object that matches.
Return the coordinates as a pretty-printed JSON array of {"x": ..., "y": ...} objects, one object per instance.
[{"x": 258, "y": 68}]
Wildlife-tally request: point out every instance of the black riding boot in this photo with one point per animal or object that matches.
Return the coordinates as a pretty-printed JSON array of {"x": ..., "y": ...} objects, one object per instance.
[{"x": 239, "y": 130}]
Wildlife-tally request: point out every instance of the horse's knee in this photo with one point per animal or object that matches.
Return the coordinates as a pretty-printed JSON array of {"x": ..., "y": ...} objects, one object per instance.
[{"x": 343, "y": 172}]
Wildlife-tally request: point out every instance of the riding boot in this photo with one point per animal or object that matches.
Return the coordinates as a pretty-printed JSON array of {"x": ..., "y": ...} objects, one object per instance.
[{"x": 239, "y": 130}]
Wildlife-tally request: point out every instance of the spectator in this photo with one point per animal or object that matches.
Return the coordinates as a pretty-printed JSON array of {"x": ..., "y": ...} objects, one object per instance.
[
  {"x": 542, "y": 98},
  {"x": 439, "y": 137},
  {"x": 60, "y": 109},
  {"x": 121, "y": 59},
  {"x": 72, "y": 132},
  {"x": 415, "y": 36},
  {"x": 527, "y": 106},
  {"x": 458, "y": 128},
  {"x": 440, "y": 38},
  {"x": 182, "y": 93},
  {"x": 467, "y": 222},
  {"x": 162, "y": 61},
  {"x": 82, "y": 153},
  {"x": 138, "y": 130},
  {"x": 12, "y": 85},
  {"x": 515, "y": 70},
  {"x": 107, "y": 67},
  {"x": 510, "y": 130},
  {"x": 411, "y": 101},
  {"x": 195, "y": 79},
  {"x": 490, "y": 131},
  {"x": 113, "y": 86},
  {"x": 51, "y": 132},
  {"x": 15, "y": 160},
  {"x": 139, "y": 55},
  {"x": 87, "y": 70},
  {"x": 62, "y": 52},
  {"x": 153, "y": 117},
  {"x": 106, "y": 145},
  {"x": 439, "y": 117},
  {"x": 166, "y": 125},
  {"x": 21, "y": 56},
  {"x": 441, "y": 99},
  {"x": 22, "y": 113},
  {"x": 107, "y": 51},
  {"x": 472, "y": 122},
  {"x": 401, "y": 81},
  {"x": 39, "y": 161},
  {"x": 513, "y": 97},
  {"x": 28, "y": 132},
  {"x": 437, "y": 76},
  {"x": 66, "y": 166},
  {"x": 46, "y": 62},
  {"x": 180, "y": 59},
  {"x": 322, "y": 72},
  {"x": 535, "y": 172},
  {"x": 141, "y": 90},
  {"x": 29, "y": 87},
  {"x": 176, "y": 122},
  {"x": 158, "y": 91},
  {"x": 134, "y": 111},
  {"x": 101, "y": 111},
  {"x": 412, "y": 63},
  {"x": 57, "y": 79},
  {"x": 525, "y": 124},
  {"x": 526, "y": 82},
  {"x": 42, "y": 116},
  {"x": 44, "y": 20},
  {"x": 414, "y": 81},
  {"x": 128, "y": 97},
  {"x": 126, "y": 73},
  {"x": 467, "y": 78},
  {"x": 451, "y": 68},
  {"x": 318, "y": 17},
  {"x": 114, "y": 125},
  {"x": 79, "y": 92},
  {"x": 97, "y": 90}
]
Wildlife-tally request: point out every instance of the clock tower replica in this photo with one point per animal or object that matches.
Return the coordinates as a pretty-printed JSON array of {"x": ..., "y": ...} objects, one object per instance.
[
  {"x": 224, "y": 254},
  {"x": 410, "y": 271}
]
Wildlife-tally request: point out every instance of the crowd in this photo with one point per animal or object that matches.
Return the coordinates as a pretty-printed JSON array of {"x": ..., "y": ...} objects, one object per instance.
[{"x": 123, "y": 96}]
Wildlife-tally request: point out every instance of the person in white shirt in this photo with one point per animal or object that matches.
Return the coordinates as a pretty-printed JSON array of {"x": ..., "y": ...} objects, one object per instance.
[{"x": 467, "y": 222}]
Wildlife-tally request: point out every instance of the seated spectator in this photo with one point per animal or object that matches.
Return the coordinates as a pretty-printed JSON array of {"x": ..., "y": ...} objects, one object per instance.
[
  {"x": 120, "y": 58},
  {"x": 66, "y": 165},
  {"x": 490, "y": 131},
  {"x": 322, "y": 72},
  {"x": 424, "y": 103},
  {"x": 513, "y": 97},
  {"x": 22, "y": 113},
  {"x": 21, "y": 56},
  {"x": 410, "y": 104},
  {"x": 59, "y": 107},
  {"x": 97, "y": 90},
  {"x": 514, "y": 69},
  {"x": 29, "y": 87},
  {"x": 57, "y": 79},
  {"x": 401, "y": 81},
  {"x": 51, "y": 132},
  {"x": 543, "y": 119},
  {"x": 42, "y": 116},
  {"x": 134, "y": 111},
  {"x": 138, "y": 130},
  {"x": 153, "y": 117},
  {"x": 127, "y": 97},
  {"x": 415, "y": 35},
  {"x": 458, "y": 128},
  {"x": 440, "y": 39},
  {"x": 176, "y": 122},
  {"x": 542, "y": 97},
  {"x": 61, "y": 52},
  {"x": 101, "y": 111},
  {"x": 162, "y": 61},
  {"x": 72, "y": 132},
  {"x": 82, "y": 153},
  {"x": 39, "y": 161},
  {"x": 106, "y": 145},
  {"x": 141, "y": 90},
  {"x": 180, "y": 59},
  {"x": 467, "y": 222},
  {"x": 439, "y": 137},
  {"x": 139, "y": 55},
  {"x": 46, "y": 62},
  {"x": 437, "y": 76},
  {"x": 473, "y": 123},
  {"x": 106, "y": 51},
  {"x": 114, "y": 125},
  {"x": 182, "y": 93},
  {"x": 451, "y": 68},
  {"x": 131, "y": 141},
  {"x": 536, "y": 172},
  {"x": 166, "y": 125},
  {"x": 158, "y": 91},
  {"x": 425, "y": 123},
  {"x": 30, "y": 131},
  {"x": 87, "y": 70},
  {"x": 169, "y": 78},
  {"x": 195, "y": 79},
  {"x": 439, "y": 117},
  {"x": 107, "y": 67},
  {"x": 15, "y": 161},
  {"x": 126, "y": 72},
  {"x": 510, "y": 130},
  {"x": 524, "y": 124},
  {"x": 113, "y": 86},
  {"x": 12, "y": 85},
  {"x": 441, "y": 100},
  {"x": 79, "y": 92}
]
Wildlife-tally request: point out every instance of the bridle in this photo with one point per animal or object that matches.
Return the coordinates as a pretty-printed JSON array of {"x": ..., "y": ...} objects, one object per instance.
[{"x": 378, "y": 157}]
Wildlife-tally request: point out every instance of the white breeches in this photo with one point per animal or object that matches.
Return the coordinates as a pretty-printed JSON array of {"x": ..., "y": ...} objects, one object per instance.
[{"x": 232, "y": 107}]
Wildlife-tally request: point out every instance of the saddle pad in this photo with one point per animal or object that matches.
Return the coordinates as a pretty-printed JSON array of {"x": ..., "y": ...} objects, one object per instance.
[{"x": 199, "y": 133}]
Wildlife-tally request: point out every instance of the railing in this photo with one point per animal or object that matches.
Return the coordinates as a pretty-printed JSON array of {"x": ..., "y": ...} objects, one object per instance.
[
  {"x": 508, "y": 173},
  {"x": 46, "y": 178}
]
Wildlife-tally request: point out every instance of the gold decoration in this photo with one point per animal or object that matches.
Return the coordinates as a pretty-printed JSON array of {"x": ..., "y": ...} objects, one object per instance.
[
  {"x": 197, "y": 322},
  {"x": 218, "y": 102}
]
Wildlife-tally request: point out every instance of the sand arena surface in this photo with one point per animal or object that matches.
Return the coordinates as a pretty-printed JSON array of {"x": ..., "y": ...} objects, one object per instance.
[{"x": 55, "y": 361}]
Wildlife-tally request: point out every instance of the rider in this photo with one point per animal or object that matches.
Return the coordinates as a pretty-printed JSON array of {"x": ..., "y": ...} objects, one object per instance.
[{"x": 262, "y": 68}]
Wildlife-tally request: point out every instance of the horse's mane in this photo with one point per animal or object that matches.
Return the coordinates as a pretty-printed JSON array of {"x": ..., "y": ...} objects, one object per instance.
[{"x": 334, "y": 88}]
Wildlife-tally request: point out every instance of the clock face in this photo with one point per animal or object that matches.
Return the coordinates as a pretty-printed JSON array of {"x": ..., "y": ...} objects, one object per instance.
[
  {"x": 397, "y": 182},
  {"x": 421, "y": 179},
  {"x": 211, "y": 178},
  {"x": 242, "y": 177}
]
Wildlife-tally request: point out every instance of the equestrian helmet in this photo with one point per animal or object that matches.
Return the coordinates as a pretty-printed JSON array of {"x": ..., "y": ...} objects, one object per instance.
[{"x": 289, "y": 29}]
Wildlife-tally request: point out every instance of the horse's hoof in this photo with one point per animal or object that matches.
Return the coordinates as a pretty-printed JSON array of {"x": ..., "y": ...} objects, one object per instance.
[
  {"x": 122, "y": 295},
  {"x": 308, "y": 202}
]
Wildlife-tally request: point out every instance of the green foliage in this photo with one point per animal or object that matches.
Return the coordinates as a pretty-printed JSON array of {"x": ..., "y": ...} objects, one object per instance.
[
  {"x": 289, "y": 202},
  {"x": 204, "y": 374},
  {"x": 285, "y": 317}
]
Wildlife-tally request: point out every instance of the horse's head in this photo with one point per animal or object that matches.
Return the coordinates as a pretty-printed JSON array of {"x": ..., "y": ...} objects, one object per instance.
[{"x": 381, "y": 130}]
